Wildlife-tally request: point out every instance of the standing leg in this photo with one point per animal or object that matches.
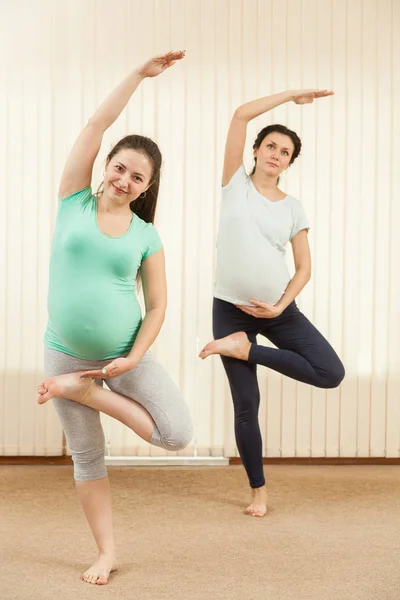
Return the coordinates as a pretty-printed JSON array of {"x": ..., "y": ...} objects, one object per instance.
[
  {"x": 242, "y": 377},
  {"x": 85, "y": 438},
  {"x": 169, "y": 426},
  {"x": 95, "y": 498}
]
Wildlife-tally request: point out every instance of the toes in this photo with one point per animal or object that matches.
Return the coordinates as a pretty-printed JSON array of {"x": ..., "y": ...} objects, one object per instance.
[
  {"x": 89, "y": 577},
  {"x": 255, "y": 512},
  {"x": 42, "y": 398},
  {"x": 95, "y": 579}
]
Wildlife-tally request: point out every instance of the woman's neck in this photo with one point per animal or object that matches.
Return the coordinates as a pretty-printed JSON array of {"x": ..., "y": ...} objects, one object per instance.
[
  {"x": 265, "y": 182},
  {"x": 107, "y": 205},
  {"x": 267, "y": 186}
]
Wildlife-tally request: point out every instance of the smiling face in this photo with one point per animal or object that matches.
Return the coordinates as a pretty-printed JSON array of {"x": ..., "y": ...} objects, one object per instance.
[
  {"x": 128, "y": 174},
  {"x": 274, "y": 154}
]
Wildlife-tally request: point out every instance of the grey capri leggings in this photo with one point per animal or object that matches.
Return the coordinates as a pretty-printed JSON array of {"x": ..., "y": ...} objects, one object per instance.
[{"x": 148, "y": 384}]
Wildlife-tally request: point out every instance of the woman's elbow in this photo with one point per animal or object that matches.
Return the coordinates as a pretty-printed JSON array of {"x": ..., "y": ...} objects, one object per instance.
[
  {"x": 240, "y": 114},
  {"x": 305, "y": 273},
  {"x": 158, "y": 310}
]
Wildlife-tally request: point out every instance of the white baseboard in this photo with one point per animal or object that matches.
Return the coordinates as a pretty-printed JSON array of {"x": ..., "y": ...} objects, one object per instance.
[{"x": 167, "y": 461}]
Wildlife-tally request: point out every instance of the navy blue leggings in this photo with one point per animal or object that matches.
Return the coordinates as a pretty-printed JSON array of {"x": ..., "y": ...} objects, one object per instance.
[{"x": 301, "y": 353}]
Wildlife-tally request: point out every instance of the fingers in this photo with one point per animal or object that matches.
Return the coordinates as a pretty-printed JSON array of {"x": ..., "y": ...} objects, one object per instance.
[
  {"x": 249, "y": 311},
  {"x": 167, "y": 66},
  {"x": 172, "y": 55},
  {"x": 266, "y": 305},
  {"x": 323, "y": 94},
  {"x": 261, "y": 312},
  {"x": 307, "y": 93},
  {"x": 111, "y": 370},
  {"x": 307, "y": 96},
  {"x": 176, "y": 54},
  {"x": 240, "y": 307},
  {"x": 243, "y": 308},
  {"x": 97, "y": 374}
]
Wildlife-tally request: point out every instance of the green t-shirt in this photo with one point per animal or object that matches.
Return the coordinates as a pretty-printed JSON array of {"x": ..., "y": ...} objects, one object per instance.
[{"x": 93, "y": 309}]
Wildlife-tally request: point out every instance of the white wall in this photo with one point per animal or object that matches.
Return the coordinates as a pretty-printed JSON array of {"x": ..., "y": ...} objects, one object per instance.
[{"x": 60, "y": 59}]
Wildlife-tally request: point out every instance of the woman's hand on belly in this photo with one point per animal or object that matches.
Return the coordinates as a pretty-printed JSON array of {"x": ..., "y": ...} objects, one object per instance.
[
  {"x": 118, "y": 366},
  {"x": 261, "y": 310}
]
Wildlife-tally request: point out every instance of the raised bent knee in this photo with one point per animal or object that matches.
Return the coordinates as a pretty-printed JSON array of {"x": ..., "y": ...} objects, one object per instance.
[
  {"x": 179, "y": 440},
  {"x": 335, "y": 376},
  {"x": 178, "y": 437}
]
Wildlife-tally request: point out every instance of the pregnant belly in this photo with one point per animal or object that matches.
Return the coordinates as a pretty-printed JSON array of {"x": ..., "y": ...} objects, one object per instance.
[
  {"x": 101, "y": 328},
  {"x": 243, "y": 276}
]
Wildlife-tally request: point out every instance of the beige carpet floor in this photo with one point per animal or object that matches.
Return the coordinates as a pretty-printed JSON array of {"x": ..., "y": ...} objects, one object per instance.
[{"x": 332, "y": 533}]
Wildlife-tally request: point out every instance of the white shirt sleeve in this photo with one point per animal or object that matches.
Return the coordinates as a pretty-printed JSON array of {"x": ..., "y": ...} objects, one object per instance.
[
  {"x": 300, "y": 220},
  {"x": 238, "y": 180}
]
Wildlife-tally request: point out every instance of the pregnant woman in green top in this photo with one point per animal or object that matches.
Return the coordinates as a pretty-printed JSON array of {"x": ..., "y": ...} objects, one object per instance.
[{"x": 95, "y": 330}]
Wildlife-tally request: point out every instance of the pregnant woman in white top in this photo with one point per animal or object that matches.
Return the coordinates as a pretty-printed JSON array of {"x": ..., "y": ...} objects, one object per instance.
[{"x": 254, "y": 293}]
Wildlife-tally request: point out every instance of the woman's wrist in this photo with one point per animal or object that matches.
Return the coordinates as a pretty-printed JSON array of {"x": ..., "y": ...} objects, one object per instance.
[
  {"x": 281, "y": 305},
  {"x": 139, "y": 74},
  {"x": 290, "y": 95},
  {"x": 133, "y": 359}
]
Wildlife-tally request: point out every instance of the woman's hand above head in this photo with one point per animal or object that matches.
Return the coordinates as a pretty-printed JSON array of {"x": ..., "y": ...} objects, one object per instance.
[
  {"x": 78, "y": 169},
  {"x": 118, "y": 366},
  {"x": 236, "y": 138},
  {"x": 158, "y": 64},
  {"x": 261, "y": 310},
  {"x": 308, "y": 96}
]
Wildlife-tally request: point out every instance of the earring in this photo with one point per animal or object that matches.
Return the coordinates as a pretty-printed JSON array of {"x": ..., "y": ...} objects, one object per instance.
[{"x": 142, "y": 195}]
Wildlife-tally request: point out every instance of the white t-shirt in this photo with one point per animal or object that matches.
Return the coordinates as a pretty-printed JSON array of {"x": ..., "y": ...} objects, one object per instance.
[{"x": 252, "y": 235}]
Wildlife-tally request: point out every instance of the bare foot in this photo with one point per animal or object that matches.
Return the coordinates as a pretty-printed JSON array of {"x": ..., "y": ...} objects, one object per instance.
[
  {"x": 236, "y": 345},
  {"x": 99, "y": 572},
  {"x": 66, "y": 386},
  {"x": 258, "y": 507}
]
